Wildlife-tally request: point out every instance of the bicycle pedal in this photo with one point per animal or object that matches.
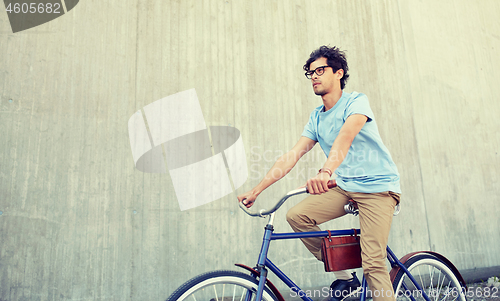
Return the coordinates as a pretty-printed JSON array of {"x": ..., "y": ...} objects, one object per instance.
[
  {"x": 354, "y": 295},
  {"x": 351, "y": 298}
]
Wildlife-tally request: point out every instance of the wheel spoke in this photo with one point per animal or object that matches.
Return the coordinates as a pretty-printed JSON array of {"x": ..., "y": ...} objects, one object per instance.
[
  {"x": 216, "y": 298},
  {"x": 242, "y": 295},
  {"x": 440, "y": 285},
  {"x": 422, "y": 283},
  {"x": 431, "y": 283}
]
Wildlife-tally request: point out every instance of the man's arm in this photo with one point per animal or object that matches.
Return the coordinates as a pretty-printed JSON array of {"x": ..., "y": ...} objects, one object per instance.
[
  {"x": 282, "y": 166},
  {"x": 338, "y": 152}
]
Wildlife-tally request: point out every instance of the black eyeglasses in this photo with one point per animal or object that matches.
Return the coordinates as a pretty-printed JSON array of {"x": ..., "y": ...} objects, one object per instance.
[{"x": 319, "y": 71}]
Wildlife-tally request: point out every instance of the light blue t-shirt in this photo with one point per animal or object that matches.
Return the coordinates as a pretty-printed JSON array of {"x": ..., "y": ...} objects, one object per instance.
[{"x": 368, "y": 166}]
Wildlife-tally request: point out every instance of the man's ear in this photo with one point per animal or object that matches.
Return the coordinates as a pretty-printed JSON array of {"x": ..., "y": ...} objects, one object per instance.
[{"x": 340, "y": 73}]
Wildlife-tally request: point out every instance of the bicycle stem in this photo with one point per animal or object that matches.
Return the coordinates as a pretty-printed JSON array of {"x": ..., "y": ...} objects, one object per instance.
[{"x": 271, "y": 219}]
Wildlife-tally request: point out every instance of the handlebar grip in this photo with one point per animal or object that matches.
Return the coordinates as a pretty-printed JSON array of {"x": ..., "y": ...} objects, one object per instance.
[
  {"x": 331, "y": 184},
  {"x": 261, "y": 213}
]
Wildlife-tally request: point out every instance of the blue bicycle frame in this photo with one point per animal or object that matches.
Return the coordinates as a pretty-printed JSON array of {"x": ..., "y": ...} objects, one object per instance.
[{"x": 265, "y": 263}]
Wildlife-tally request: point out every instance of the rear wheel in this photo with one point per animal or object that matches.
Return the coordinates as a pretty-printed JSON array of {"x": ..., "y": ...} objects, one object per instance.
[
  {"x": 435, "y": 278},
  {"x": 220, "y": 286}
]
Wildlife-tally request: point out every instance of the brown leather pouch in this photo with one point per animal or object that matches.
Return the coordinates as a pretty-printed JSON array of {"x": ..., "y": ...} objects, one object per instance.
[{"x": 341, "y": 252}]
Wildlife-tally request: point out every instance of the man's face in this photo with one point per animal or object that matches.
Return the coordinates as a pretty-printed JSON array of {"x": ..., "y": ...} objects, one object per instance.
[{"x": 328, "y": 81}]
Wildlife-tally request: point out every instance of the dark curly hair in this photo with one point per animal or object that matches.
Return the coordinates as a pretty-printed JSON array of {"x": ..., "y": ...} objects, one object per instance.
[{"x": 335, "y": 58}]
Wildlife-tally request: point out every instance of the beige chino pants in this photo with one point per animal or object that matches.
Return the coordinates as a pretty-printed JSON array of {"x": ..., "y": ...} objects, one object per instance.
[{"x": 375, "y": 218}]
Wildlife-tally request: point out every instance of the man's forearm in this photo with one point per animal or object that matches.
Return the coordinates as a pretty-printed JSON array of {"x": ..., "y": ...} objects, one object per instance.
[
  {"x": 338, "y": 152},
  {"x": 282, "y": 166}
]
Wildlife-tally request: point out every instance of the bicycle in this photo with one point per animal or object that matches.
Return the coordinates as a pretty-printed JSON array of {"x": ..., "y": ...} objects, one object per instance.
[{"x": 422, "y": 275}]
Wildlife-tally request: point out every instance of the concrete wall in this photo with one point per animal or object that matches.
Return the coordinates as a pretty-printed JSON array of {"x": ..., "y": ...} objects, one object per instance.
[{"x": 80, "y": 222}]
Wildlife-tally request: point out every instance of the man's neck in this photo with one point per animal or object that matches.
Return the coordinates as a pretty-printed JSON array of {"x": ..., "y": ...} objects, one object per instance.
[{"x": 330, "y": 99}]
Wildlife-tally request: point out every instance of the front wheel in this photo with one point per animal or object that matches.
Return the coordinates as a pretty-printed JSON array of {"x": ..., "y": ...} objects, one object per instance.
[
  {"x": 435, "y": 278},
  {"x": 220, "y": 286}
]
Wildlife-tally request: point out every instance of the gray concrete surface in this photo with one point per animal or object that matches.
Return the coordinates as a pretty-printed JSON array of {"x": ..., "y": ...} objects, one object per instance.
[{"x": 79, "y": 222}]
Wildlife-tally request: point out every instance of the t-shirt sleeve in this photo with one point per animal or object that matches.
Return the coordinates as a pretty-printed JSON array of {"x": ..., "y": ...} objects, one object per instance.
[
  {"x": 309, "y": 130},
  {"x": 359, "y": 105}
]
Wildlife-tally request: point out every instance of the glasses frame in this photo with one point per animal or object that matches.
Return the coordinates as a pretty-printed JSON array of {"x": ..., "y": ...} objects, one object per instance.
[{"x": 309, "y": 73}]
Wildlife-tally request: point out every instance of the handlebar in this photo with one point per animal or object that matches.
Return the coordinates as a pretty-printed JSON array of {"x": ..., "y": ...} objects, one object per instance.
[
  {"x": 263, "y": 212},
  {"x": 350, "y": 208}
]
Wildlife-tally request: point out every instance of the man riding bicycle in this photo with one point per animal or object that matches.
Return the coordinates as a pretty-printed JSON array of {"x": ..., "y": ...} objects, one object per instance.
[{"x": 345, "y": 127}]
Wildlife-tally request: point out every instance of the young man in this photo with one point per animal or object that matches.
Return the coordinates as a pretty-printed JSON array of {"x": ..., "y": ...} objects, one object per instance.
[{"x": 347, "y": 132}]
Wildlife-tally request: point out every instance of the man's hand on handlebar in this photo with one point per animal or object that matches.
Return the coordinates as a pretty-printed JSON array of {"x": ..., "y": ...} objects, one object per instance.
[
  {"x": 318, "y": 184},
  {"x": 248, "y": 198}
]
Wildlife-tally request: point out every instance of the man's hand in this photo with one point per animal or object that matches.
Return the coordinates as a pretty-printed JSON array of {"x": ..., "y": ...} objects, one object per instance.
[
  {"x": 248, "y": 198},
  {"x": 318, "y": 184}
]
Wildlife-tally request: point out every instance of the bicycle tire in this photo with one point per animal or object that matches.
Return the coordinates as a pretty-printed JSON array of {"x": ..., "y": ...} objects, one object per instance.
[
  {"x": 434, "y": 277},
  {"x": 235, "y": 283}
]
